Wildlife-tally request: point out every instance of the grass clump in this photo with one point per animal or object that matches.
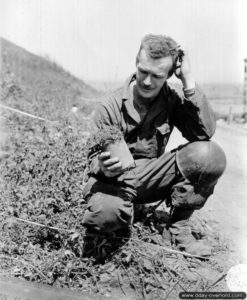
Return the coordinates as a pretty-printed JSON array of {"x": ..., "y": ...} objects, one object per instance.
[{"x": 105, "y": 136}]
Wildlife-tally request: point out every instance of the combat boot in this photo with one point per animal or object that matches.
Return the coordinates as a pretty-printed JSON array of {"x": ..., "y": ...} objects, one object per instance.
[{"x": 181, "y": 235}]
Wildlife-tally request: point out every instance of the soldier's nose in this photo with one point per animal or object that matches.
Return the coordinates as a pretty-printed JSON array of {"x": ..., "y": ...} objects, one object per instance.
[{"x": 147, "y": 80}]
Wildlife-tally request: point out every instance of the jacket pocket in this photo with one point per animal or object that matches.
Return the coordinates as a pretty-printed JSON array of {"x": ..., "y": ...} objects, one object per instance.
[
  {"x": 162, "y": 135},
  {"x": 164, "y": 129}
]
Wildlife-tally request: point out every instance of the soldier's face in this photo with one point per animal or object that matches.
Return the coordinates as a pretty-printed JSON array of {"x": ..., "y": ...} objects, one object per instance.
[{"x": 151, "y": 74}]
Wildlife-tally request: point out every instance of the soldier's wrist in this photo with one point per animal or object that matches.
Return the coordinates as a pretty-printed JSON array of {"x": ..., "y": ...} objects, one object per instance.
[
  {"x": 189, "y": 92},
  {"x": 188, "y": 82}
]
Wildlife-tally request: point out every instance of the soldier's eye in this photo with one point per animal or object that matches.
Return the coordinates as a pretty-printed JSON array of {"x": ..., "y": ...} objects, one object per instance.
[
  {"x": 143, "y": 71},
  {"x": 158, "y": 76}
]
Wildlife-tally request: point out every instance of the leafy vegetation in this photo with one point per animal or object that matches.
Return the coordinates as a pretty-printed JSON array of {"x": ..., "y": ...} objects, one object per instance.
[{"x": 103, "y": 137}]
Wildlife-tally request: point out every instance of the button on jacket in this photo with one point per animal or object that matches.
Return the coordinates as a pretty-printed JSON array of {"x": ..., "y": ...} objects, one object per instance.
[{"x": 147, "y": 138}]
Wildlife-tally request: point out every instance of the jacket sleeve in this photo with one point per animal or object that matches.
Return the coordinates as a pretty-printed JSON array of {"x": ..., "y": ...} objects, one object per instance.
[
  {"x": 193, "y": 115},
  {"x": 104, "y": 115}
]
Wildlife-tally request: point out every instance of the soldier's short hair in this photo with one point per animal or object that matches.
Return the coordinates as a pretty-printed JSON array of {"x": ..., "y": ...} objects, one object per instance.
[{"x": 158, "y": 46}]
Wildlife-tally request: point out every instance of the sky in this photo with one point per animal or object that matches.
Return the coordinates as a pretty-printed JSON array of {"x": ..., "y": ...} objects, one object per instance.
[{"x": 97, "y": 40}]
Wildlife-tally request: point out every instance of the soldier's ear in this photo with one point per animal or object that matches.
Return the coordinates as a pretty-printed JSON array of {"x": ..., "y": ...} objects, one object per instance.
[
  {"x": 137, "y": 59},
  {"x": 174, "y": 66},
  {"x": 171, "y": 72}
]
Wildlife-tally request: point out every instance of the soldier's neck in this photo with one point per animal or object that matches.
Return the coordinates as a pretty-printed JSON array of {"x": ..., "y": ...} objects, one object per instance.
[
  {"x": 141, "y": 101},
  {"x": 140, "y": 104}
]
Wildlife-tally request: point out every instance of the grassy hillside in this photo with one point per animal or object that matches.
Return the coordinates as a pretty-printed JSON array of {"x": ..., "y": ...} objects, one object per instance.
[
  {"x": 35, "y": 84},
  {"x": 43, "y": 171}
]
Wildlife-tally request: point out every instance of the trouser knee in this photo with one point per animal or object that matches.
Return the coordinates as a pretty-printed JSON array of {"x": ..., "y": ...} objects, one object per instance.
[
  {"x": 201, "y": 165},
  {"x": 107, "y": 213}
]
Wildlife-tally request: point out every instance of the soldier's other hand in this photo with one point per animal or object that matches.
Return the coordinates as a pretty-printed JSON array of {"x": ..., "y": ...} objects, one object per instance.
[
  {"x": 110, "y": 166},
  {"x": 183, "y": 69},
  {"x": 183, "y": 64}
]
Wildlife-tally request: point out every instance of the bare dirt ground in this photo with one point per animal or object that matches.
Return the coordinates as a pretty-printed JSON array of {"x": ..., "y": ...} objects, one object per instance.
[{"x": 226, "y": 209}]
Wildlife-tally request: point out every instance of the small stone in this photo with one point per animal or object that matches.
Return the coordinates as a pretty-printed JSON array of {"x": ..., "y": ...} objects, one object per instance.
[
  {"x": 191, "y": 277},
  {"x": 147, "y": 265},
  {"x": 107, "y": 295},
  {"x": 105, "y": 278}
]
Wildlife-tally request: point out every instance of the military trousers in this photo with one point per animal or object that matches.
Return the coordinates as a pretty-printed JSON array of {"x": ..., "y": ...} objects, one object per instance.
[{"x": 110, "y": 201}]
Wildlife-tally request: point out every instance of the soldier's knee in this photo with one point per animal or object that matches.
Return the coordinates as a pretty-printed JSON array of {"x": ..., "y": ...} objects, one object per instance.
[
  {"x": 201, "y": 162},
  {"x": 107, "y": 213}
]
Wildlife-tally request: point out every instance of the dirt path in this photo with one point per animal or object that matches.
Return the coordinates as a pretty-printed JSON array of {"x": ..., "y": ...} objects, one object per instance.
[{"x": 226, "y": 210}]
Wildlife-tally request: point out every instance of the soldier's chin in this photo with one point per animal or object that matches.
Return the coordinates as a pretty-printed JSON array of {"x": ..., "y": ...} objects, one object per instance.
[{"x": 146, "y": 93}]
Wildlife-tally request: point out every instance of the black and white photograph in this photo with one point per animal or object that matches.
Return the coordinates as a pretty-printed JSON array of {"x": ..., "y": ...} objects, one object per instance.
[{"x": 123, "y": 137}]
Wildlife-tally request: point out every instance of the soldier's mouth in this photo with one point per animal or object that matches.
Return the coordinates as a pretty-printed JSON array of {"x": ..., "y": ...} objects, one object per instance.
[{"x": 147, "y": 88}]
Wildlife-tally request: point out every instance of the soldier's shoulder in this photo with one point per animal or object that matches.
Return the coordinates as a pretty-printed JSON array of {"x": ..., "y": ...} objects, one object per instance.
[
  {"x": 175, "y": 88},
  {"x": 112, "y": 98}
]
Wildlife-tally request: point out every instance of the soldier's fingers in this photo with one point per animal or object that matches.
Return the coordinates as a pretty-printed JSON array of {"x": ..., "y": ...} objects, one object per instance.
[
  {"x": 115, "y": 167},
  {"x": 111, "y": 161},
  {"x": 104, "y": 155}
]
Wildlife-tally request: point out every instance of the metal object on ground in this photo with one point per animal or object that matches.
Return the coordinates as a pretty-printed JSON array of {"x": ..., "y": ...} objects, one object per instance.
[
  {"x": 17, "y": 289},
  {"x": 201, "y": 162}
]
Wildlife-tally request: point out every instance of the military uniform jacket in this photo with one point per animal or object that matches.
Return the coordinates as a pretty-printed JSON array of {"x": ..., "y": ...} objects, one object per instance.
[{"x": 147, "y": 138}]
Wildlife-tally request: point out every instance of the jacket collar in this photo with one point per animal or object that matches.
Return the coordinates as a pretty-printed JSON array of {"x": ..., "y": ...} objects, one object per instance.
[
  {"x": 159, "y": 105},
  {"x": 126, "y": 88}
]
